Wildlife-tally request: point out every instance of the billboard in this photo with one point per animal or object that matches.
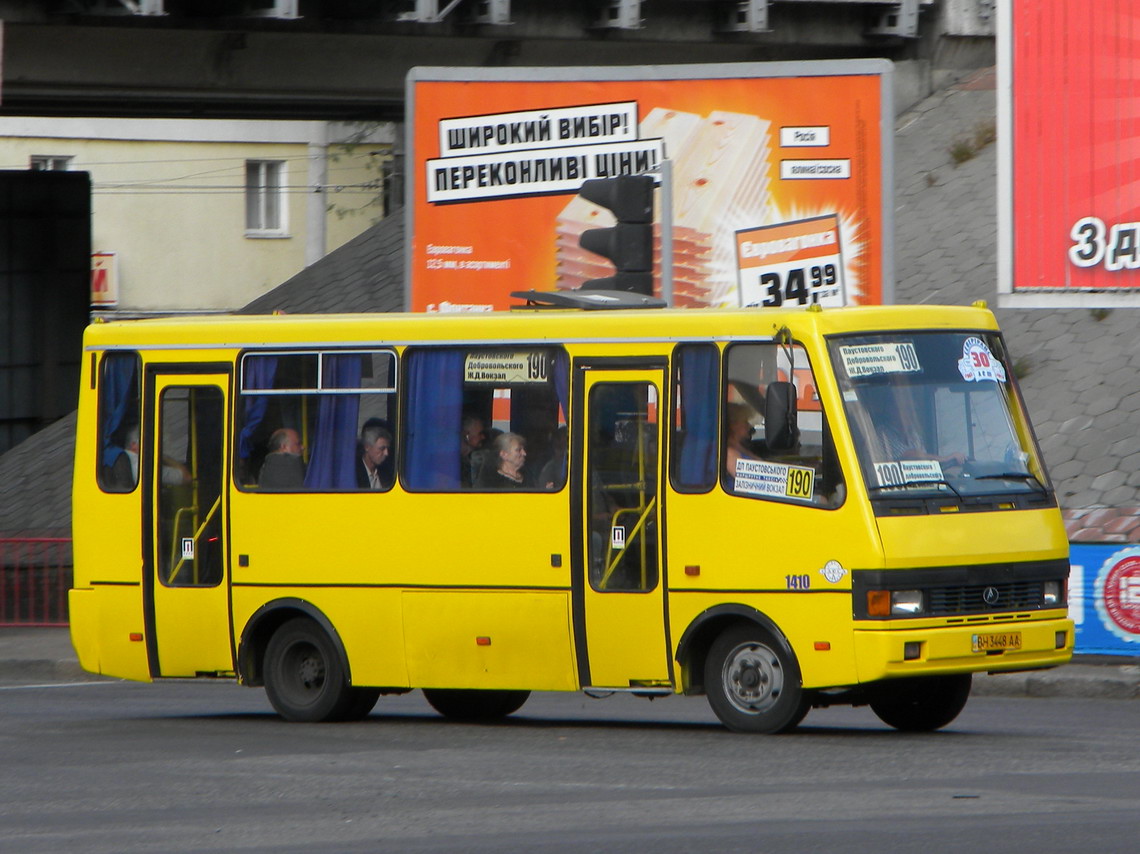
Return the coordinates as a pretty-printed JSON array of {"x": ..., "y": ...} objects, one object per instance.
[
  {"x": 1069, "y": 153},
  {"x": 1104, "y": 597},
  {"x": 777, "y": 188}
]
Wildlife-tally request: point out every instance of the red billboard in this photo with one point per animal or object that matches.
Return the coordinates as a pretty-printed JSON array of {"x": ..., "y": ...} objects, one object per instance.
[{"x": 1069, "y": 155}]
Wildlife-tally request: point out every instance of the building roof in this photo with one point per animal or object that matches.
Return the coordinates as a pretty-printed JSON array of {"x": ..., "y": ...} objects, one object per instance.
[
  {"x": 365, "y": 274},
  {"x": 1078, "y": 368}
]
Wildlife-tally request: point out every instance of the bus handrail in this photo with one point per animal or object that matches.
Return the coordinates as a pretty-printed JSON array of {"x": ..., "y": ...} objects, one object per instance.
[
  {"x": 177, "y": 567},
  {"x": 633, "y": 535}
]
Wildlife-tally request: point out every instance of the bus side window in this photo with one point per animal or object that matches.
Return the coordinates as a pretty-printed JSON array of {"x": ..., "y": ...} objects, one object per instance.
[
  {"x": 119, "y": 396},
  {"x": 458, "y": 400},
  {"x": 777, "y": 443},
  {"x": 301, "y": 415},
  {"x": 696, "y": 378}
]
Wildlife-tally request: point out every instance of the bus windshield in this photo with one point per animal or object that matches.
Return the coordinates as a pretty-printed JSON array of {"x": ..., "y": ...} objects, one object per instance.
[{"x": 936, "y": 412}]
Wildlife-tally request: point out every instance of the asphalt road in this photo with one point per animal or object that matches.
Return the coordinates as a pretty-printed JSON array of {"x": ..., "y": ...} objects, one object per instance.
[{"x": 123, "y": 767}]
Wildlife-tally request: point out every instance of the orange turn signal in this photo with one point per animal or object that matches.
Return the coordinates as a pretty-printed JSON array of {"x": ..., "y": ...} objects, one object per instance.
[{"x": 878, "y": 603}]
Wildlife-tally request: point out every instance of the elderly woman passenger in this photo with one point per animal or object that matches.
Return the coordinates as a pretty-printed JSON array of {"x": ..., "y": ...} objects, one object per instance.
[{"x": 509, "y": 455}]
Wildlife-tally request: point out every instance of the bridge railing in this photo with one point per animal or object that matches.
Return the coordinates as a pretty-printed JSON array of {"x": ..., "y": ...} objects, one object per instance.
[{"x": 35, "y": 575}]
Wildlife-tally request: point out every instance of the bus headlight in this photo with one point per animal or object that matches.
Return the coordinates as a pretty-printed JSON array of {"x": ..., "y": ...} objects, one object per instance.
[
  {"x": 1052, "y": 594},
  {"x": 889, "y": 603},
  {"x": 908, "y": 602}
]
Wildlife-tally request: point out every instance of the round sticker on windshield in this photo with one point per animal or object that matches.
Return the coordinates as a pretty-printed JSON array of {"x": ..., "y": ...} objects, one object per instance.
[{"x": 978, "y": 363}]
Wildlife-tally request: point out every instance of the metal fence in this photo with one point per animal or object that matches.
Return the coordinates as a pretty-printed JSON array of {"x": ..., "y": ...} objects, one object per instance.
[{"x": 35, "y": 575}]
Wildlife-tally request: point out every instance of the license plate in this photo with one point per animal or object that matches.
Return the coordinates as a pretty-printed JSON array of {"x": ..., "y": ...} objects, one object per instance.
[{"x": 997, "y": 640}]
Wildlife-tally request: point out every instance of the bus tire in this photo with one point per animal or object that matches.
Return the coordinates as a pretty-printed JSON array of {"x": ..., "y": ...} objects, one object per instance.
[
  {"x": 474, "y": 705},
  {"x": 304, "y": 678},
  {"x": 360, "y": 704},
  {"x": 753, "y": 681},
  {"x": 921, "y": 703}
]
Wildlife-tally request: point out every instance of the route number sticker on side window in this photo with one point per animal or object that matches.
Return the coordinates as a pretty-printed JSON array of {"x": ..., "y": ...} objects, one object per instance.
[
  {"x": 864, "y": 360},
  {"x": 775, "y": 480}
]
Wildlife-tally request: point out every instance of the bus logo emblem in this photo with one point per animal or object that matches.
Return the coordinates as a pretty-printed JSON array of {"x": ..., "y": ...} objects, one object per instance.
[{"x": 990, "y": 596}]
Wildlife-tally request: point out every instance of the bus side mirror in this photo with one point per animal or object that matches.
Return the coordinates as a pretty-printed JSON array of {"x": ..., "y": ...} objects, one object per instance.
[{"x": 781, "y": 430}]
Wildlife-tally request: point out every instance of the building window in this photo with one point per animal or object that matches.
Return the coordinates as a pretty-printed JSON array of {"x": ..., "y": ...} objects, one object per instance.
[
  {"x": 265, "y": 197},
  {"x": 49, "y": 163}
]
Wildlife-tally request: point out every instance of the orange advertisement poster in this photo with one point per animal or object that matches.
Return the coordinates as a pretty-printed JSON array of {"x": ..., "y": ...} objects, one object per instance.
[
  {"x": 792, "y": 262},
  {"x": 758, "y": 153}
]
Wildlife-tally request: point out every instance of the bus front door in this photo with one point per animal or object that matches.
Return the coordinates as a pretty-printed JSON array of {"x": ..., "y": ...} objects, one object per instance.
[
  {"x": 619, "y": 599},
  {"x": 188, "y": 615}
]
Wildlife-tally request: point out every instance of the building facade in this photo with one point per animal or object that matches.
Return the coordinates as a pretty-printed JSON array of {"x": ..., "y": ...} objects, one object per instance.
[{"x": 206, "y": 215}]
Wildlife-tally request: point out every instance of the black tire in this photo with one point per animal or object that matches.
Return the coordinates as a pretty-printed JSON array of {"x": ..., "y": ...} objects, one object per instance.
[
  {"x": 921, "y": 703},
  {"x": 361, "y": 702},
  {"x": 475, "y": 705},
  {"x": 304, "y": 677},
  {"x": 753, "y": 681}
]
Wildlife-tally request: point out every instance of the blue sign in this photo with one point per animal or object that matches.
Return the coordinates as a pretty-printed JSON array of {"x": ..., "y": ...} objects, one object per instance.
[{"x": 1104, "y": 598}]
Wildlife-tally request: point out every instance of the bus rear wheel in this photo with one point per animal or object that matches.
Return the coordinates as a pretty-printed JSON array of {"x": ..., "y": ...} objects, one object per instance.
[
  {"x": 921, "y": 703},
  {"x": 474, "y": 705},
  {"x": 361, "y": 702},
  {"x": 753, "y": 682},
  {"x": 304, "y": 678}
]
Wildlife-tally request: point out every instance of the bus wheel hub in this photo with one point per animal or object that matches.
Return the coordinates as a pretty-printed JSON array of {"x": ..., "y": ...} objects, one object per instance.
[{"x": 753, "y": 678}]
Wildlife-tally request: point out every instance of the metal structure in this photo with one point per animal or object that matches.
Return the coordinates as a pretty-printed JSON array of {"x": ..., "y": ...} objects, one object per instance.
[
  {"x": 346, "y": 59},
  {"x": 35, "y": 575}
]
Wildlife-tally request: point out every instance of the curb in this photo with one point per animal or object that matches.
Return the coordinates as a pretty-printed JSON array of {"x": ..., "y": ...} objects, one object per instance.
[
  {"x": 44, "y": 669},
  {"x": 1081, "y": 681}
]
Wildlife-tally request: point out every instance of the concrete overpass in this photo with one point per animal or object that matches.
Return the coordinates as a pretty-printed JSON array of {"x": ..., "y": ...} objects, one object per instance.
[{"x": 346, "y": 59}]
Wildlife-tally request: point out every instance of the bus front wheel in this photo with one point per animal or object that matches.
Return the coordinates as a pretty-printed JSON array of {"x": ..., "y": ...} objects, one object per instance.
[
  {"x": 304, "y": 678},
  {"x": 474, "y": 705},
  {"x": 921, "y": 703},
  {"x": 753, "y": 682}
]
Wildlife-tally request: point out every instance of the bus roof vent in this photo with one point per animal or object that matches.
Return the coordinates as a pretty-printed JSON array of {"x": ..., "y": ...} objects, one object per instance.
[{"x": 587, "y": 299}]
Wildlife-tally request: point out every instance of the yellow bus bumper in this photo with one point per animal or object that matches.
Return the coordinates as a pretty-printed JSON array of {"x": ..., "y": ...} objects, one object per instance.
[{"x": 884, "y": 652}]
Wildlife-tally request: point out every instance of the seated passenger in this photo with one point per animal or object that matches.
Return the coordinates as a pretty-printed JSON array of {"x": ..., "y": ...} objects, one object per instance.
[
  {"x": 375, "y": 445},
  {"x": 505, "y": 469},
  {"x": 739, "y": 431},
  {"x": 125, "y": 471},
  {"x": 283, "y": 467},
  {"x": 553, "y": 474},
  {"x": 471, "y": 437}
]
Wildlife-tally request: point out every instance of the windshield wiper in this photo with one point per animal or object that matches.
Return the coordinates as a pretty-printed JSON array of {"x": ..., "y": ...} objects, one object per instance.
[{"x": 1014, "y": 475}]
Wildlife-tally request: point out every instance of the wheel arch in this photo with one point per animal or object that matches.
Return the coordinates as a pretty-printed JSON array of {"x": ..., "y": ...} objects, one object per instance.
[
  {"x": 265, "y": 621},
  {"x": 698, "y": 638}
]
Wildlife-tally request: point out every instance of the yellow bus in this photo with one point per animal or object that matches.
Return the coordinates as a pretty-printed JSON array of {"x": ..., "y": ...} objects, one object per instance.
[{"x": 777, "y": 509}]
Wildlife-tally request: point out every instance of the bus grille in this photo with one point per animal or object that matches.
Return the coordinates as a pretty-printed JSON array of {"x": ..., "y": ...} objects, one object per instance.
[{"x": 1010, "y": 596}]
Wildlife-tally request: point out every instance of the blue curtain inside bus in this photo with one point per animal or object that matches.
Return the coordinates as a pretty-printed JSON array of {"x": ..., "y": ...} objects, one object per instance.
[
  {"x": 119, "y": 388},
  {"x": 333, "y": 461},
  {"x": 699, "y": 382},
  {"x": 257, "y": 372},
  {"x": 435, "y": 403}
]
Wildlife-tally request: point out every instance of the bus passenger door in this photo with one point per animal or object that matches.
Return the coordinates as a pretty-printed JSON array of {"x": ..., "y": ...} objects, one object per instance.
[
  {"x": 618, "y": 588},
  {"x": 184, "y": 465}
]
